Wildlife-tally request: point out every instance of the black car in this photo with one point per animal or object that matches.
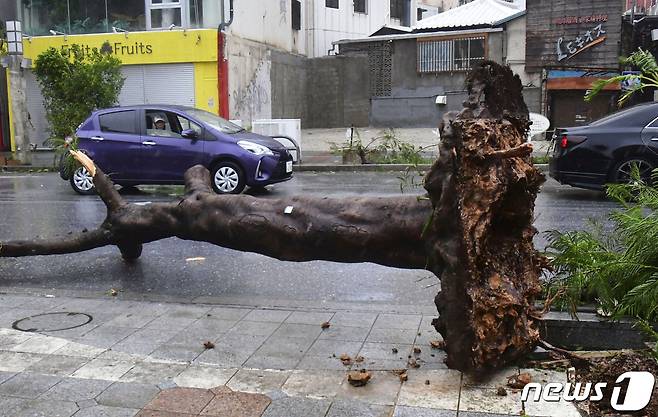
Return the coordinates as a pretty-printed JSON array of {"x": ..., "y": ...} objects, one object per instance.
[{"x": 606, "y": 150}]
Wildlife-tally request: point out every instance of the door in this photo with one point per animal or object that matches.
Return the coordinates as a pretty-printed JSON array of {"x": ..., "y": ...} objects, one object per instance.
[
  {"x": 569, "y": 109},
  {"x": 114, "y": 144},
  {"x": 166, "y": 154},
  {"x": 650, "y": 138}
]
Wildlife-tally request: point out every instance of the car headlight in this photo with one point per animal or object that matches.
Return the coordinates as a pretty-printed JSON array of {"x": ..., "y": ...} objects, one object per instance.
[{"x": 255, "y": 148}]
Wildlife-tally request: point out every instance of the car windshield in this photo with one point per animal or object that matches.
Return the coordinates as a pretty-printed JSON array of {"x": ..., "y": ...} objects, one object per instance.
[
  {"x": 631, "y": 113},
  {"x": 215, "y": 121}
]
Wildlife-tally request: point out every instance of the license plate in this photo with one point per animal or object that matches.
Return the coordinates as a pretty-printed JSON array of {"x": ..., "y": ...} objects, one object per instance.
[{"x": 288, "y": 166}]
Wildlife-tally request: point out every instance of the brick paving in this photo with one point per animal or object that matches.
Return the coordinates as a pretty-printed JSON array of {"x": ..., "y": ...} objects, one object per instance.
[{"x": 148, "y": 358}]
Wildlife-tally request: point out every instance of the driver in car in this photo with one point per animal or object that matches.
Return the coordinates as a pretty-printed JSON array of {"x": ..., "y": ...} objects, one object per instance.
[{"x": 160, "y": 128}]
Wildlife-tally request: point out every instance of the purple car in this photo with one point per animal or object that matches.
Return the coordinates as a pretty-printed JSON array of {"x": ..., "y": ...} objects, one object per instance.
[{"x": 153, "y": 144}]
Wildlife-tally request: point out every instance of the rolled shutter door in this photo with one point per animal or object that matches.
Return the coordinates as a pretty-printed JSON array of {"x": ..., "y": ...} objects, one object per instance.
[{"x": 38, "y": 127}]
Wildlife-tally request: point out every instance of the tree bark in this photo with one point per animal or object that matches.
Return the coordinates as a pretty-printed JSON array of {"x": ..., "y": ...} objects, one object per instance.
[
  {"x": 473, "y": 230},
  {"x": 483, "y": 189}
]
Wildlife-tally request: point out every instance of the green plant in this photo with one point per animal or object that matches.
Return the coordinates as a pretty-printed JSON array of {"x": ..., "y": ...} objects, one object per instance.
[
  {"x": 618, "y": 269},
  {"x": 647, "y": 329},
  {"x": 392, "y": 150},
  {"x": 648, "y": 77},
  {"x": 73, "y": 85}
]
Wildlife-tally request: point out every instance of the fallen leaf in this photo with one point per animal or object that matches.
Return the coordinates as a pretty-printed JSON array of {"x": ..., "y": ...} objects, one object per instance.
[
  {"x": 346, "y": 359},
  {"x": 359, "y": 359},
  {"x": 404, "y": 377},
  {"x": 325, "y": 325},
  {"x": 395, "y": 350},
  {"x": 519, "y": 381},
  {"x": 413, "y": 363},
  {"x": 501, "y": 392},
  {"x": 417, "y": 350},
  {"x": 359, "y": 378},
  {"x": 209, "y": 345},
  {"x": 427, "y": 382},
  {"x": 438, "y": 344},
  {"x": 113, "y": 292}
]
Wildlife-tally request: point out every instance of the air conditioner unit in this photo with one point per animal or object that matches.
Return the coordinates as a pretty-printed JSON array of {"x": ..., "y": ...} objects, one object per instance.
[{"x": 291, "y": 128}]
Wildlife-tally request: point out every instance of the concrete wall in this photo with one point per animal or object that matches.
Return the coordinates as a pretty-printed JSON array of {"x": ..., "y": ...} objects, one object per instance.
[
  {"x": 288, "y": 79},
  {"x": 413, "y": 95},
  {"x": 265, "y": 82},
  {"x": 338, "y": 92},
  {"x": 269, "y": 23}
]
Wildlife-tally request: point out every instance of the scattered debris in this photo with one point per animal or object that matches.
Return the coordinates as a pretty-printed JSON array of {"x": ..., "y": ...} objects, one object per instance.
[
  {"x": 395, "y": 350},
  {"x": 359, "y": 359},
  {"x": 325, "y": 325},
  {"x": 501, "y": 392},
  {"x": 427, "y": 382},
  {"x": 113, "y": 292},
  {"x": 413, "y": 363},
  {"x": 438, "y": 344},
  {"x": 519, "y": 381},
  {"x": 417, "y": 350},
  {"x": 198, "y": 259},
  {"x": 403, "y": 377},
  {"x": 346, "y": 359},
  {"x": 208, "y": 345},
  {"x": 50, "y": 296},
  {"x": 358, "y": 378}
]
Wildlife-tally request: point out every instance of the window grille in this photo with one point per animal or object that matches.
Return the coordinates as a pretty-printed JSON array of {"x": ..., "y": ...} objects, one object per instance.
[{"x": 450, "y": 55}]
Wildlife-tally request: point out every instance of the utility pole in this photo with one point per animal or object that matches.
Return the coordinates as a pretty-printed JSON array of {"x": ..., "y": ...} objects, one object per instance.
[{"x": 15, "y": 64}]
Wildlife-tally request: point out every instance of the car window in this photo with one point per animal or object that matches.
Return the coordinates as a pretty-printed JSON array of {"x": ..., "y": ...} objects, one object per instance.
[
  {"x": 187, "y": 124},
  {"x": 636, "y": 116},
  {"x": 162, "y": 123},
  {"x": 655, "y": 122},
  {"x": 215, "y": 121},
  {"x": 118, "y": 122}
]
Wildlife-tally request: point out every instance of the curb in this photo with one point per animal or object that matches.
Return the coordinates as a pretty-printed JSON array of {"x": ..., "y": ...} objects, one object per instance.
[{"x": 543, "y": 168}]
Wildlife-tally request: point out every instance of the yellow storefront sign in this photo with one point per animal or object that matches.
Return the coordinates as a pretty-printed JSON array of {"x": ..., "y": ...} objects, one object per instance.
[{"x": 158, "y": 47}]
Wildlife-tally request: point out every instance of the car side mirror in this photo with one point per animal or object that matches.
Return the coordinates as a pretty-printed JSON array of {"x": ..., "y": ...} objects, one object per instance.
[{"x": 190, "y": 134}]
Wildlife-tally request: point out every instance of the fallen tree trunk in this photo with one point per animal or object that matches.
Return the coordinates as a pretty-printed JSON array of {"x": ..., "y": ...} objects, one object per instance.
[{"x": 474, "y": 231}]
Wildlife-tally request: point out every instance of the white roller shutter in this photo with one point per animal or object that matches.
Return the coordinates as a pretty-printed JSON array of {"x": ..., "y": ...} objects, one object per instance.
[
  {"x": 38, "y": 128},
  {"x": 133, "y": 85},
  {"x": 158, "y": 84}
]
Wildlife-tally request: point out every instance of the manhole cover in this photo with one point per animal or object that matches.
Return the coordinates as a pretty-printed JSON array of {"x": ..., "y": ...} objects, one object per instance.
[{"x": 52, "y": 322}]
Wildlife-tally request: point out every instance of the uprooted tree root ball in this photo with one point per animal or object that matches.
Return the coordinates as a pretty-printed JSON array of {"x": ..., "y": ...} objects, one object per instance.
[{"x": 474, "y": 231}]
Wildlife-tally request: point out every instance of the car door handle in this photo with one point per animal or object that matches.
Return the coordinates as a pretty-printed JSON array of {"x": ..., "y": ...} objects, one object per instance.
[
  {"x": 97, "y": 138},
  {"x": 654, "y": 139},
  {"x": 149, "y": 143}
]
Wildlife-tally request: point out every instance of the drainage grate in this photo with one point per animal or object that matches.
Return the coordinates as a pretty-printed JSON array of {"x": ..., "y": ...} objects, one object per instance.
[{"x": 52, "y": 322}]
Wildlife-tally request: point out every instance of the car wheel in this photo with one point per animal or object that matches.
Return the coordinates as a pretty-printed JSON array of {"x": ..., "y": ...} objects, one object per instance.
[
  {"x": 82, "y": 182},
  {"x": 227, "y": 178},
  {"x": 623, "y": 171}
]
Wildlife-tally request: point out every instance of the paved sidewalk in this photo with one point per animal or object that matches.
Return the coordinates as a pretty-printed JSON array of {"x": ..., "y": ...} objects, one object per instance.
[{"x": 148, "y": 358}]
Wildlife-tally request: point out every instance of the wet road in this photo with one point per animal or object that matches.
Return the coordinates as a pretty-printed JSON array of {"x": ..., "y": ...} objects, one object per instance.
[{"x": 43, "y": 205}]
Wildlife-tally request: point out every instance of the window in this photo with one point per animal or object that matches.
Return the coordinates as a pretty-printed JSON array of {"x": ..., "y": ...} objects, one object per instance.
[
  {"x": 360, "y": 6},
  {"x": 187, "y": 124},
  {"x": 167, "y": 124},
  {"x": 332, "y": 4},
  {"x": 296, "y": 11},
  {"x": 397, "y": 9},
  {"x": 166, "y": 14},
  {"x": 81, "y": 16},
  {"x": 450, "y": 55},
  {"x": 118, "y": 122}
]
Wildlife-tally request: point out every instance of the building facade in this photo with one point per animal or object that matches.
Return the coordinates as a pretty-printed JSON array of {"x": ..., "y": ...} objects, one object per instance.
[
  {"x": 571, "y": 44},
  {"x": 254, "y": 68},
  {"x": 414, "y": 78}
]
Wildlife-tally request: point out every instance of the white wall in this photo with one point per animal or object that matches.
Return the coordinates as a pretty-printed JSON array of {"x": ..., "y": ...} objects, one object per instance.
[
  {"x": 327, "y": 25},
  {"x": 515, "y": 37},
  {"x": 269, "y": 22}
]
